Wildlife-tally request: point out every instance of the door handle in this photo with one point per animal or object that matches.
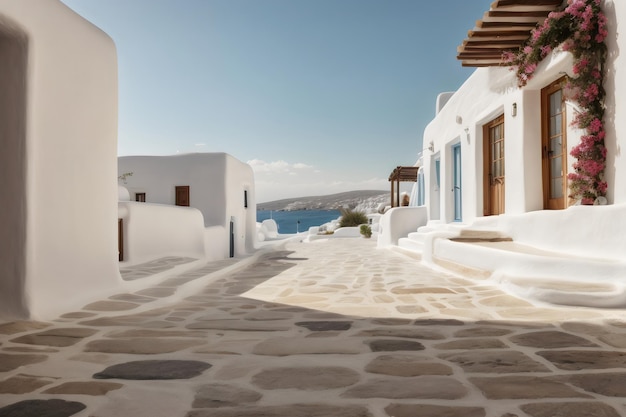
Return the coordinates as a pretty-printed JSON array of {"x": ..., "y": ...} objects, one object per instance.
[{"x": 546, "y": 152}]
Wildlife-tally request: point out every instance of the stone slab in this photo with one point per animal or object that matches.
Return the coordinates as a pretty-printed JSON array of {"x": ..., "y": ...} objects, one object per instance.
[
  {"x": 438, "y": 322},
  {"x": 21, "y": 326},
  {"x": 406, "y": 333},
  {"x": 471, "y": 344},
  {"x": 283, "y": 346},
  {"x": 111, "y": 306},
  {"x": 572, "y": 409},
  {"x": 10, "y": 362},
  {"x": 94, "y": 388},
  {"x": 22, "y": 384},
  {"x": 518, "y": 387},
  {"x": 42, "y": 408},
  {"x": 585, "y": 359},
  {"x": 142, "y": 345},
  {"x": 240, "y": 325},
  {"x": 61, "y": 337},
  {"x": 289, "y": 410},
  {"x": 425, "y": 387},
  {"x": 306, "y": 378},
  {"x": 425, "y": 410},
  {"x": 154, "y": 369},
  {"x": 324, "y": 326},
  {"x": 393, "y": 345},
  {"x": 224, "y": 395},
  {"x": 551, "y": 339},
  {"x": 499, "y": 361},
  {"x": 608, "y": 384},
  {"x": 406, "y": 365}
]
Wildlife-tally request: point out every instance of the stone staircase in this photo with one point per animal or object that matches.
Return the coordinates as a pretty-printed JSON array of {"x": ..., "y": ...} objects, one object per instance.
[{"x": 527, "y": 271}]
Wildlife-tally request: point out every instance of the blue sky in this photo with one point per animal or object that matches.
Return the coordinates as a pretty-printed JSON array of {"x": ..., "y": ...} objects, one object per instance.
[{"x": 319, "y": 96}]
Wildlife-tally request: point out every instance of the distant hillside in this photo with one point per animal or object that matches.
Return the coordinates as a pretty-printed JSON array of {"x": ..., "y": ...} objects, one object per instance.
[{"x": 363, "y": 200}]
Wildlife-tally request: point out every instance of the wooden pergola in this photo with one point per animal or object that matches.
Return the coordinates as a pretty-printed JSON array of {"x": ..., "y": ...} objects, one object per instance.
[
  {"x": 398, "y": 175},
  {"x": 505, "y": 27}
]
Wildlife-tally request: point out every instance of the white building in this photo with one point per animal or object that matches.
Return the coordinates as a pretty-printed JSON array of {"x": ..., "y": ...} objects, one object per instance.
[
  {"x": 207, "y": 196},
  {"x": 58, "y": 162},
  {"x": 496, "y": 157}
]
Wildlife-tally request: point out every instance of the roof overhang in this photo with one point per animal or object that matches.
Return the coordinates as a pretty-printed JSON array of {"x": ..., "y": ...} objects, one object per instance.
[
  {"x": 404, "y": 174},
  {"x": 505, "y": 27}
]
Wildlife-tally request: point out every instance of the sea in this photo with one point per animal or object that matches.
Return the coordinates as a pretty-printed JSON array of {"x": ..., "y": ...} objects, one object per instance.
[{"x": 297, "y": 220}]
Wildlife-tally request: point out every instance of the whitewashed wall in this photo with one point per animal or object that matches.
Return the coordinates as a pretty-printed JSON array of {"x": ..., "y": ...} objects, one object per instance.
[
  {"x": 58, "y": 235},
  {"x": 615, "y": 84},
  {"x": 155, "y": 230},
  {"x": 487, "y": 94},
  {"x": 217, "y": 182},
  {"x": 491, "y": 92}
]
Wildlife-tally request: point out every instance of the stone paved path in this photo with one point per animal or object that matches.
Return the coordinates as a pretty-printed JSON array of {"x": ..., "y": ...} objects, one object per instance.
[{"x": 335, "y": 328}]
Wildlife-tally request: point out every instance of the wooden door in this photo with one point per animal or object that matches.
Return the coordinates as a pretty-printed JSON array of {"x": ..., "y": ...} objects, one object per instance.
[
  {"x": 554, "y": 146},
  {"x": 182, "y": 195},
  {"x": 120, "y": 239},
  {"x": 493, "y": 150}
]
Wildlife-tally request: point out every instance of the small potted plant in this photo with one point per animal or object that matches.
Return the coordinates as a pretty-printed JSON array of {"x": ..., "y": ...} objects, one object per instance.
[{"x": 366, "y": 231}]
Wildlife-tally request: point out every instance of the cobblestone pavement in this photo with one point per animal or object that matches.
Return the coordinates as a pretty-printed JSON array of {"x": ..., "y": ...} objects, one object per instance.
[{"x": 333, "y": 328}]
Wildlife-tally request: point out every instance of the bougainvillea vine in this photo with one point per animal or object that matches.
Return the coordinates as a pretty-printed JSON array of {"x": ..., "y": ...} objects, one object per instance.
[{"x": 580, "y": 28}]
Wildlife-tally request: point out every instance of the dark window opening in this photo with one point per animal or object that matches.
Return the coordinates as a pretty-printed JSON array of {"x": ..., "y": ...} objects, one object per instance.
[{"x": 182, "y": 195}]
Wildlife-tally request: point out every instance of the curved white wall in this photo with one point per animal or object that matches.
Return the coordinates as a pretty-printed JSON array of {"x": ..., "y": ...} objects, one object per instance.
[
  {"x": 398, "y": 222},
  {"x": 152, "y": 231},
  {"x": 70, "y": 146}
]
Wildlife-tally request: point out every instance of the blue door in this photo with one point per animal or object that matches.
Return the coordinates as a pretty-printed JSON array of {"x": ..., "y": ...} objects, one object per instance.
[{"x": 456, "y": 188}]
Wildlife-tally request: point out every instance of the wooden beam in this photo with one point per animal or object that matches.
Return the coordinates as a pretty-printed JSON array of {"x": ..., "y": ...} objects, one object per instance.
[
  {"x": 464, "y": 57},
  {"x": 501, "y": 42},
  {"x": 505, "y": 24},
  {"x": 535, "y": 3},
  {"x": 498, "y": 33},
  {"x": 500, "y": 13},
  {"x": 479, "y": 64}
]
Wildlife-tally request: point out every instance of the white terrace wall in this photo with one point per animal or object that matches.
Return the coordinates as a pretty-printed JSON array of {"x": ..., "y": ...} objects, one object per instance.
[
  {"x": 58, "y": 123},
  {"x": 218, "y": 183},
  {"x": 152, "y": 231}
]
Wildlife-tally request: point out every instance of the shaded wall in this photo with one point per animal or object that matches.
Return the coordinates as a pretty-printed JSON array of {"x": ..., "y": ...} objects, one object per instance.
[{"x": 13, "y": 56}]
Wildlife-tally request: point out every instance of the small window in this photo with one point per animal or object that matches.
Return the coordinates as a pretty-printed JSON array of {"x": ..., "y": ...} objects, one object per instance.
[
  {"x": 182, "y": 195},
  {"x": 141, "y": 197},
  {"x": 245, "y": 198}
]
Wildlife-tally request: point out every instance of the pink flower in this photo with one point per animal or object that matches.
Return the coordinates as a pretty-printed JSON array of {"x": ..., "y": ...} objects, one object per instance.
[
  {"x": 591, "y": 92},
  {"x": 568, "y": 45},
  {"x": 530, "y": 68},
  {"x": 508, "y": 56},
  {"x": 595, "y": 126}
]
